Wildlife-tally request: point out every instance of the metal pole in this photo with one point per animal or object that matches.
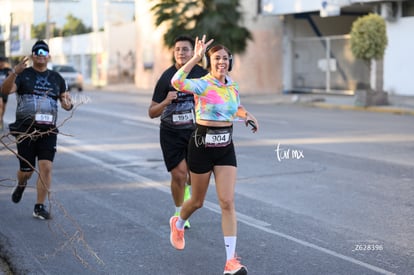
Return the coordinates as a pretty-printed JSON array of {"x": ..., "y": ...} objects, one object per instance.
[
  {"x": 47, "y": 33},
  {"x": 95, "y": 16},
  {"x": 10, "y": 37},
  {"x": 328, "y": 65}
]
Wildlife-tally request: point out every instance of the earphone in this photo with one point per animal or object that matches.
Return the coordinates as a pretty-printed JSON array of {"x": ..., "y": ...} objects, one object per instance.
[{"x": 206, "y": 58}]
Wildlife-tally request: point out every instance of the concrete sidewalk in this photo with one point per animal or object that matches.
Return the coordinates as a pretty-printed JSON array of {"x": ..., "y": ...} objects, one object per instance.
[{"x": 403, "y": 105}]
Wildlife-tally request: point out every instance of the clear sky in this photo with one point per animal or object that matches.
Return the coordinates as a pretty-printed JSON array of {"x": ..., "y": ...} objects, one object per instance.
[{"x": 112, "y": 10}]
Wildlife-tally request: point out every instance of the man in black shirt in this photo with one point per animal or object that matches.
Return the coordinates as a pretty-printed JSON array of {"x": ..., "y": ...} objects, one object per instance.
[
  {"x": 38, "y": 89},
  {"x": 4, "y": 72},
  {"x": 176, "y": 110}
]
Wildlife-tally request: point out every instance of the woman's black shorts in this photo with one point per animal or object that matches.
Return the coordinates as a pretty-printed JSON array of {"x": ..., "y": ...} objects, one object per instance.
[{"x": 202, "y": 159}]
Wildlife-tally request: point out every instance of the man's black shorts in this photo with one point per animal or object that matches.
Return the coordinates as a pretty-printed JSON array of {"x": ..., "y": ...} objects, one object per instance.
[
  {"x": 202, "y": 159},
  {"x": 174, "y": 144},
  {"x": 42, "y": 147}
]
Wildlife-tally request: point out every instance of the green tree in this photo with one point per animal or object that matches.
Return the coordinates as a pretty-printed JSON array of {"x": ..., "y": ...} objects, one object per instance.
[
  {"x": 369, "y": 37},
  {"x": 218, "y": 19},
  {"x": 368, "y": 43},
  {"x": 39, "y": 31},
  {"x": 74, "y": 26}
]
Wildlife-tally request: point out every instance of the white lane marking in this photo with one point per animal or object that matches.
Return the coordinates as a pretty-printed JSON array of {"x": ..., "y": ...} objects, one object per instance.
[
  {"x": 128, "y": 119},
  {"x": 245, "y": 219}
]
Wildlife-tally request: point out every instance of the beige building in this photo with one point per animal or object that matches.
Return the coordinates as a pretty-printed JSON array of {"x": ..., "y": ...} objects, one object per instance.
[{"x": 258, "y": 70}]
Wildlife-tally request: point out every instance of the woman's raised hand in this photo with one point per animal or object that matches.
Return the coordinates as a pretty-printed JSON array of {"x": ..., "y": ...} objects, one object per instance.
[{"x": 201, "y": 46}]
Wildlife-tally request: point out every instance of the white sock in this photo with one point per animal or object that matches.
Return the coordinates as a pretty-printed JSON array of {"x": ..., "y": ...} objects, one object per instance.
[
  {"x": 230, "y": 244},
  {"x": 177, "y": 209},
  {"x": 180, "y": 223}
]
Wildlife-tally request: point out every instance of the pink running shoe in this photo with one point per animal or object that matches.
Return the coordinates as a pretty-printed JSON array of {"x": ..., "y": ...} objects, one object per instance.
[
  {"x": 176, "y": 235},
  {"x": 234, "y": 267}
]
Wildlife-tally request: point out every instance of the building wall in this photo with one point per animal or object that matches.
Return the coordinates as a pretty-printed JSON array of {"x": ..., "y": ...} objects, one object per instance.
[
  {"x": 396, "y": 79},
  {"x": 398, "y": 59},
  {"x": 258, "y": 70},
  {"x": 103, "y": 58},
  {"x": 295, "y": 27},
  {"x": 21, "y": 13}
]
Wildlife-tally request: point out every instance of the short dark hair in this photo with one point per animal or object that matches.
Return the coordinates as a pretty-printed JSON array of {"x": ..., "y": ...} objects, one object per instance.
[
  {"x": 185, "y": 38},
  {"x": 3, "y": 59}
]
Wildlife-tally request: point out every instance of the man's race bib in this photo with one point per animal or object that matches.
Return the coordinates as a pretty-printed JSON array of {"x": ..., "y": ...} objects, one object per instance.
[
  {"x": 184, "y": 117},
  {"x": 44, "y": 118},
  {"x": 218, "y": 137}
]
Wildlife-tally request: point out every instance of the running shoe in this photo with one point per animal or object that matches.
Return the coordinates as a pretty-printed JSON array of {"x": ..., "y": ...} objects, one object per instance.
[
  {"x": 234, "y": 267},
  {"x": 187, "y": 196},
  {"x": 176, "y": 235},
  {"x": 40, "y": 212},
  {"x": 18, "y": 192},
  {"x": 187, "y": 224},
  {"x": 187, "y": 192}
]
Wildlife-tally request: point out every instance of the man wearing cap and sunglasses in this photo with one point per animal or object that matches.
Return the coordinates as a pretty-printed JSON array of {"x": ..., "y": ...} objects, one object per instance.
[{"x": 38, "y": 89}]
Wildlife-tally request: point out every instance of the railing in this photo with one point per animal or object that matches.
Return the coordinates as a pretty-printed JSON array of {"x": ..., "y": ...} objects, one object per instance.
[{"x": 327, "y": 65}]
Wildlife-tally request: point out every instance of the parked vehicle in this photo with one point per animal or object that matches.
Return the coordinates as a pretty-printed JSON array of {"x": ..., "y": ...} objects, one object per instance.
[{"x": 74, "y": 79}]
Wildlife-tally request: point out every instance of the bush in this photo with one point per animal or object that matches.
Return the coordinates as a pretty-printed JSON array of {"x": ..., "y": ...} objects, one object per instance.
[{"x": 369, "y": 37}]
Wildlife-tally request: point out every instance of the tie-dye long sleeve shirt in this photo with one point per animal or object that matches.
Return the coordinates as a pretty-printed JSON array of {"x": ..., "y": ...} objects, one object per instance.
[{"x": 213, "y": 100}]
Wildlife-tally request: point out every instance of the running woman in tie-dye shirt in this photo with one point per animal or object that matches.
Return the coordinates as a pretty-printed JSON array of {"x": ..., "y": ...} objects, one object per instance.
[{"x": 211, "y": 148}]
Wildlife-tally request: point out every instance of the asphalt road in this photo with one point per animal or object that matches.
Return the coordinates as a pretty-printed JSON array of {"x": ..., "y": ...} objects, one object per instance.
[{"x": 319, "y": 191}]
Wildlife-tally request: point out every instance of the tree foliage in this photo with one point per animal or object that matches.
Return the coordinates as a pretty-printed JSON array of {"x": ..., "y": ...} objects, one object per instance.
[
  {"x": 369, "y": 37},
  {"x": 39, "y": 31},
  {"x": 72, "y": 26},
  {"x": 218, "y": 19}
]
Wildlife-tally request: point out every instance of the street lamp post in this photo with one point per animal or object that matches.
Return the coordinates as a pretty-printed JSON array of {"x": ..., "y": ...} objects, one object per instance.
[
  {"x": 47, "y": 33},
  {"x": 10, "y": 34}
]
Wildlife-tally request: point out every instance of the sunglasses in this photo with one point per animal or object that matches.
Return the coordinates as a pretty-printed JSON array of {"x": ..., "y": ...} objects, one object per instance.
[{"x": 41, "y": 52}]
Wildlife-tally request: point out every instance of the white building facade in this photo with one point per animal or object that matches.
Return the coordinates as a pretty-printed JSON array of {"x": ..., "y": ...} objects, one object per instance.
[{"x": 316, "y": 47}]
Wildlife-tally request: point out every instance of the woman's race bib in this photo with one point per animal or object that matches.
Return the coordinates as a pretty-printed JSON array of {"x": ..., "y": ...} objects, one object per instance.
[{"x": 218, "y": 137}]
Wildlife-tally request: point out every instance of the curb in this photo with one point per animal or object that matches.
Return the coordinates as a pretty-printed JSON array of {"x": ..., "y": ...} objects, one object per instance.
[
  {"x": 316, "y": 101},
  {"x": 391, "y": 110}
]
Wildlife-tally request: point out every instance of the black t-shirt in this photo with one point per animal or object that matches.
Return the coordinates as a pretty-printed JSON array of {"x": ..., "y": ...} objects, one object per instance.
[
  {"x": 37, "y": 95},
  {"x": 180, "y": 113}
]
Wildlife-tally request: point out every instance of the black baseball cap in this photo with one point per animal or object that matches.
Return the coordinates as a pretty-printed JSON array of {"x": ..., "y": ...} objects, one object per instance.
[
  {"x": 40, "y": 44},
  {"x": 3, "y": 59}
]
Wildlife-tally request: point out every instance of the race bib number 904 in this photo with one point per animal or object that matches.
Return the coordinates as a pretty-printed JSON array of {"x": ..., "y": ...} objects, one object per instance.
[{"x": 217, "y": 139}]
